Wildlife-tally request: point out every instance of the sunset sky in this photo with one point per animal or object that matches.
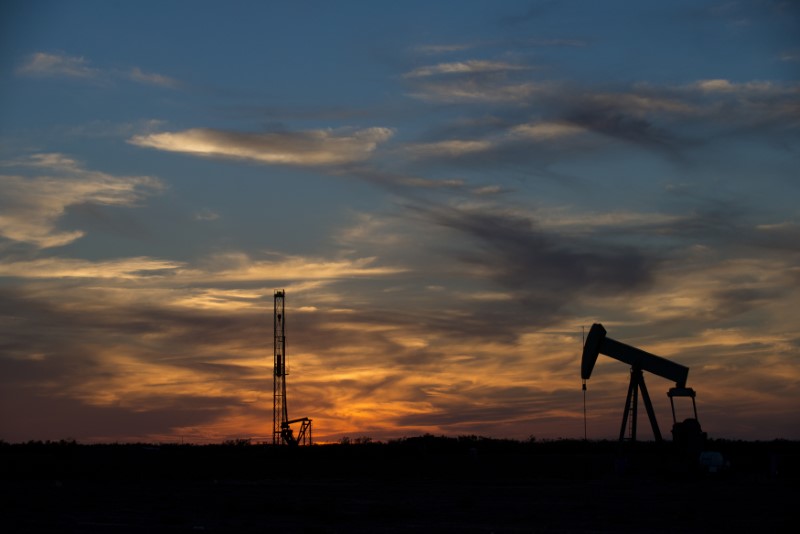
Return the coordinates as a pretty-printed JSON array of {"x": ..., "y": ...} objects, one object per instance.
[{"x": 449, "y": 192}]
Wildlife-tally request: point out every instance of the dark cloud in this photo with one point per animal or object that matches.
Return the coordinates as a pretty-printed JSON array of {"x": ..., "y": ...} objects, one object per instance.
[
  {"x": 517, "y": 410},
  {"x": 678, "y": 122},
  {"x": 25, "y": 415},
  {"x": 544, "y": 270},
  {"x": 53, "y": 355},
  {"x": 721, "y": 222},
  {"x": 617, "y": 124},
  {"x": 783, "y": 237},
  {"x": 738, "y": 300}
]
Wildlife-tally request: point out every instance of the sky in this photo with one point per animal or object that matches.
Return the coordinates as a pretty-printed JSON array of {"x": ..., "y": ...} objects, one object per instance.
[{"x": 450, "y": 193}]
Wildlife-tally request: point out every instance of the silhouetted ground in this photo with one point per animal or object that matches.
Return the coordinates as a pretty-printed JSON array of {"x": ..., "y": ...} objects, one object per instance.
[{"x": 424, "y": 484}]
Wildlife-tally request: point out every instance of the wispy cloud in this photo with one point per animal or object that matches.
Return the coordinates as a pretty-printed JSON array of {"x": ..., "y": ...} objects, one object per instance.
[
  {"x": 516, "y": 253},
  {"x": 230, "y": 267},
  {"x": 206, "y": 215},
  {"x": 58, "y": 65},
  {"x": 49, "y": 65},
  {"x": 510, "y": 138},
  {"x": 450, "y": 148},
  {"x": 668, "y": 120},
  {"x": 474, "y": 80},
  {"x": 306, "y": 148},
  {"x": 546, "y": 130},
  {"x": 398, "y": 180},
  {"x": 150, "y": 78},
  {"x": 479, "y": 89},
  {"x": 473, "y": 66},
  {"x": 124, "y": 269},
  {"x": 32, "y": 206},
  {"x": 790, "y": 56},
  {"x": 241, "y": 267},
  {"x": 441, "y": 48}
]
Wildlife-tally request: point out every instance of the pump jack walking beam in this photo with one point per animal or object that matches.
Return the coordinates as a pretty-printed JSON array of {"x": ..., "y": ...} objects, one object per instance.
[{"x": 598, "y": 343}]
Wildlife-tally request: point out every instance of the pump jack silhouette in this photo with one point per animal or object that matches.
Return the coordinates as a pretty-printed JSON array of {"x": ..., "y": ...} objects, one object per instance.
[{"x": 686, "y": 433}]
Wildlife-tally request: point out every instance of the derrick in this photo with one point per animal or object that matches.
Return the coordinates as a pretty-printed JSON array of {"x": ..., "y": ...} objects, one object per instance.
[{"x": 282, "y": 433}]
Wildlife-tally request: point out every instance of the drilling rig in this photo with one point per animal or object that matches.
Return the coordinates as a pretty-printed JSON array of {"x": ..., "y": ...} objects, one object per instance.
[
  {"x": 282, "y": 433},
  {"x": 686, "y": 434}
]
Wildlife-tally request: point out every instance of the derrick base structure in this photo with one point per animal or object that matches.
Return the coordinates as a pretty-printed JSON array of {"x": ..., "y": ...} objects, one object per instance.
[{"x": 282, "y": 433}]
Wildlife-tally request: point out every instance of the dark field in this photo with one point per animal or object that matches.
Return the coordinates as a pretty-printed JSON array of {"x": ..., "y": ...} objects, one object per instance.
[{"x": 424, "y": 484}]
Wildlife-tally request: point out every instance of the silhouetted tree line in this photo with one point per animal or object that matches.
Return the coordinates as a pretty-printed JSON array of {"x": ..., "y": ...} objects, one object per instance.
[{"x": 461, "y": 458}]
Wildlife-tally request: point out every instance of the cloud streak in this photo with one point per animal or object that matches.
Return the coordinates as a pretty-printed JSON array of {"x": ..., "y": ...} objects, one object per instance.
[
  {"x": 42, "y": 64},
  {"x": 308, "y": 148},
  {"x": 518, "y": 256},
  {"x": 474, "y": 66},
  {"x": 49, "y": 65}
]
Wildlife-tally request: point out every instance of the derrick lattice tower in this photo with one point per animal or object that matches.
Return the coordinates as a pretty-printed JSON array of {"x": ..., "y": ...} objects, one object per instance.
[
  {"x": 279, "y": 409},
  {"x": 282, "y": 433}
]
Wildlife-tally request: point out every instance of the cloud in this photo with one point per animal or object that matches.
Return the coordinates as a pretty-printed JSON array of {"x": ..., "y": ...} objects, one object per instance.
[
  {"x": 32, "y": 206},
  {"x": 104, "y": 359},
  {"x": 497, "y": 272},
  {"x": 488, "y": 190},
  {"x": 474, "y": 80},
  {"x": 451, "y": 148},
  {"x": 58, "y": 65},
  {"x": 121, "y": 337},
  {"x": 792, "y": 56},
  {"x": 473, "y": 66},
  {"x": 517, "y": 254},
  {"x": 128, "y": 268},
  {"x": 105, "y": 129},
  {"x": 615, "y": 123},
  {"x": 459, "y": 311},
  {"x": 479, "y": 90},
  {"x": 150, "y": 78},
  {"x": 308, "y": 148},
  {"x": 530, "y": 139},
  {"x": 50, "y": 417},
  {"x": 46, "y": 65},
  {"x": 668, "y": 120},
  {"x": 206, "y": 215},
  {"x": 546, "y": 130},
  {"x": 398, "y": 181},
  {"x": 441, "y": 49},
  {"x": 195, "y": 343},
  {"x": 241, "y": 267}
]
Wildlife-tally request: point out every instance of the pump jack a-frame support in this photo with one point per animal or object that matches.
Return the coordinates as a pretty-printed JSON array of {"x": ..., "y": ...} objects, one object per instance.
[{"x": 632, "y": 406}]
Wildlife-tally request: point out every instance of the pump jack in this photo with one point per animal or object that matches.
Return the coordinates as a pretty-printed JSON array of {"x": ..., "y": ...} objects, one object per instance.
[{"x": 687, "y": 433}]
